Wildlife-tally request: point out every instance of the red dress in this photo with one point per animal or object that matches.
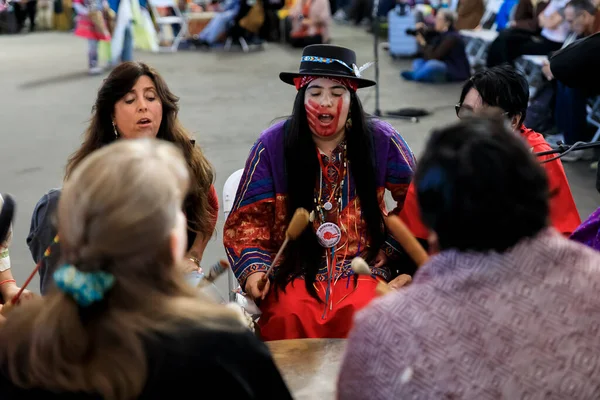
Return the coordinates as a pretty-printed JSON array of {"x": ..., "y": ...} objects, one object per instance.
[{"x": 563, "y": 211}]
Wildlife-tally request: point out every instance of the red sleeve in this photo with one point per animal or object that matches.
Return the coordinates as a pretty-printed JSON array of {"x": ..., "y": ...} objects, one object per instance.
[
  {"x": 411, "y": 215},
  {"x": 213, "y": 202},
  {"x": 563, "y": 211}
]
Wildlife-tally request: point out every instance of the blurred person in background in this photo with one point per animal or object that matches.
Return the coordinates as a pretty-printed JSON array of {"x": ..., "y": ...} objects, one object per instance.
[{"x": 444, "y": 57}]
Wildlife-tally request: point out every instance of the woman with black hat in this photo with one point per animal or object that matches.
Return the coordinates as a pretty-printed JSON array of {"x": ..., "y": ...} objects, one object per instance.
[{"x": 330, "y": 158}]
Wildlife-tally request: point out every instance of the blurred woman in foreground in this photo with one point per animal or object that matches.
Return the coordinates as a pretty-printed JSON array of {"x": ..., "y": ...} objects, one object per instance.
[{"x": 121, "y": 322}]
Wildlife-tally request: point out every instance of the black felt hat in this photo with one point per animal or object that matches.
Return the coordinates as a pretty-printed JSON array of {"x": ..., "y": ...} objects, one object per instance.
[{"x": 328, "y": 61}]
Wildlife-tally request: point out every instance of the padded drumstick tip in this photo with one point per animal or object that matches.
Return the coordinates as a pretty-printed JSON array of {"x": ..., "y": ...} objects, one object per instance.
[
  {"x": 298, "y": 224},
  {"x": 360, "y": 266},
  {"x": 408, "y": 241}
]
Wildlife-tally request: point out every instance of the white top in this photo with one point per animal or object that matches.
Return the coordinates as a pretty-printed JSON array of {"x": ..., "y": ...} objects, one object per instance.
[
  {"x": 558, "y": 35},
  {"x": 4, "y": 258}
]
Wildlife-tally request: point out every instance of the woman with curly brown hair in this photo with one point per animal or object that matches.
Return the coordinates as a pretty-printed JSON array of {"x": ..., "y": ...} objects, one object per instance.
[{"x": 135, "y": 102}]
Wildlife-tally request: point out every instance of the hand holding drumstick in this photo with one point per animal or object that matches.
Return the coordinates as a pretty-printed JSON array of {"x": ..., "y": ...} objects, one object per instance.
[
  {"x": 360, "y": 267},
  {"x": 410, "y": 244},
  {"x": 257, "y": 285}
]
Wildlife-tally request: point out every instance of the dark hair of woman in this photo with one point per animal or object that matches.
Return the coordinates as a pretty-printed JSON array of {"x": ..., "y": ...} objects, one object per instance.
[
  {"x": 101, "y": 132},
  {"x": 479, "y": 188},
  {"x": 304, "y": 255}
]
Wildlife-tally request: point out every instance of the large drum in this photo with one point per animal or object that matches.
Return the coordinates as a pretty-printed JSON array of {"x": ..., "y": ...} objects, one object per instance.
[{"x": 310, "y": 367}]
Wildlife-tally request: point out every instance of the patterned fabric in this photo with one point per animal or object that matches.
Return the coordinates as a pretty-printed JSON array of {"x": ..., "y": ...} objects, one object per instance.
[
  {"x": 519, "y": 325},
  {"x": 324, "y": 60},
  {"x": 85, "y": 288},
  {"x": 255, "y": 228},
  {"x": 588, "y": 233}
]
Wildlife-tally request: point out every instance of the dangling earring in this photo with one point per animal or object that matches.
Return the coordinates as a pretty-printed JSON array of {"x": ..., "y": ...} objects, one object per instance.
[
  {"x": 115, "y": 129},
  {"x": 349, "y": 124}
]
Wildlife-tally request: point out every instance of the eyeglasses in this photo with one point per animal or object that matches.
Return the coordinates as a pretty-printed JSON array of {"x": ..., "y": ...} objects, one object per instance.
[
  {"x": 463, "y": 112},
  {"x": 467, "y": 112}
]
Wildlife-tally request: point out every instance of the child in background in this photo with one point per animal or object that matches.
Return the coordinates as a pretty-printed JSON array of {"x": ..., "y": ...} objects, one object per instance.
[{"x": 91, "y": 28}]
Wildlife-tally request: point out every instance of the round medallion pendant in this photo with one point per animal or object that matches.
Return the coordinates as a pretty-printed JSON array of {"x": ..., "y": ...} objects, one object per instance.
[
  {"x": 328, "y": 206},
  {"x": 329, "y": 234}
]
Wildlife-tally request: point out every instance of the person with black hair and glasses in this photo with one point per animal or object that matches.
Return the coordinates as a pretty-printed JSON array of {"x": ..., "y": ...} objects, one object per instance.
[
  {"x": 508, "y": 309},
  {"x": 507, "y": 89}
]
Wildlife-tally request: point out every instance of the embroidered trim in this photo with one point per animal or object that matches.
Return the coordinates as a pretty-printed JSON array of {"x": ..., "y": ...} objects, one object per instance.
[
  {"x": 323, "y": 60},
  {"x": 249, "y": 271}
]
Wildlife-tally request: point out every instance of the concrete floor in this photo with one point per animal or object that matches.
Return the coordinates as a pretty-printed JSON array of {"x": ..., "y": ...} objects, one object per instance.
[{"x": 227, "y": 99}]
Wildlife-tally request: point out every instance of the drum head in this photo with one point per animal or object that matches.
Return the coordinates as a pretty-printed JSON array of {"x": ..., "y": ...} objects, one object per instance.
[{"x": 309, "y": 366}]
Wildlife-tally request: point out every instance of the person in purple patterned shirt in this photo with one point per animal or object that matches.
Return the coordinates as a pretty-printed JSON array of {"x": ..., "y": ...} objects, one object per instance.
[
  {"x": 509, "y": 309},
  {"x": 331, "y": 159}
]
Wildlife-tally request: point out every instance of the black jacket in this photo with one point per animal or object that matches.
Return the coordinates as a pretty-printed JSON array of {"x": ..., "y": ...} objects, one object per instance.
[
  {"x": 577, "y": 65},
  {"x": 195, "y": 363}
]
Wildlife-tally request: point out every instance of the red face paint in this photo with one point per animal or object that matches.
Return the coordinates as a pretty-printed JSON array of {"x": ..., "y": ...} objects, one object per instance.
[{"x": 327, "y": 127}]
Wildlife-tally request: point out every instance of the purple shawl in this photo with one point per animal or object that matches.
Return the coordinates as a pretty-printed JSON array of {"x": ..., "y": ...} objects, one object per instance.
[
  {"x": 588, "y": 232},
  {"x": 524, "y": 324}
]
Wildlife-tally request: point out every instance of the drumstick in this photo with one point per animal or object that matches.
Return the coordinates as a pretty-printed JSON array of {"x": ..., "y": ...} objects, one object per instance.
[
  {"x": 360, "y": 267},
  {"x": 408, "y": 241},
  {"x": 213, "y": 273},
  {"x": 297, "y": 225}
]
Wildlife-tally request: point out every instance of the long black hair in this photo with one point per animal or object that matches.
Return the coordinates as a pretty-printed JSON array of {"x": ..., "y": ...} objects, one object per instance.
[{"x": 304, "y": 256}]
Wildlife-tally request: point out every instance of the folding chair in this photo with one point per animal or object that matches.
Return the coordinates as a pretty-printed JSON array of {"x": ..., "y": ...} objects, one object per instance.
[
  {"x": 478, "y": 43},
  {"x": 161, "y": 21},
  {"x": 229, "y": 192},
  {"x": 593, "y": 117},
  {"x": 531, "y": 68},
  {"x": 240, "y": 30}
]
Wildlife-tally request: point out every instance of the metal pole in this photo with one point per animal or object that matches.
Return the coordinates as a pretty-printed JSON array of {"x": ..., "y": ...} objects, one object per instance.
[{"x": 377, "y": 112}]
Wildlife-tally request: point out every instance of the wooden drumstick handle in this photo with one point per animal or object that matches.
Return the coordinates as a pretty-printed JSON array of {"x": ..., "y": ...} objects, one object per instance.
[
  {"x": 408, "y": 241},
  {"x": 297, "y": 225},
  {"x": 265, "y": 277}
]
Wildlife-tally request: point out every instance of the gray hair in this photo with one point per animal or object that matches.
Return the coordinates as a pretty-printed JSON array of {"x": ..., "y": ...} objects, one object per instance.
[
  {"x": 449, "y": 16},
  {"x": 582, "y": 5}
]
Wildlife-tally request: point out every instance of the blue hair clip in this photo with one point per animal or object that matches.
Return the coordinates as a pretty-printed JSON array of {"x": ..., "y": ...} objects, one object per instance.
[
  {"x": 436, "y": 179},
  {"x": 84, "y": 287}
]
